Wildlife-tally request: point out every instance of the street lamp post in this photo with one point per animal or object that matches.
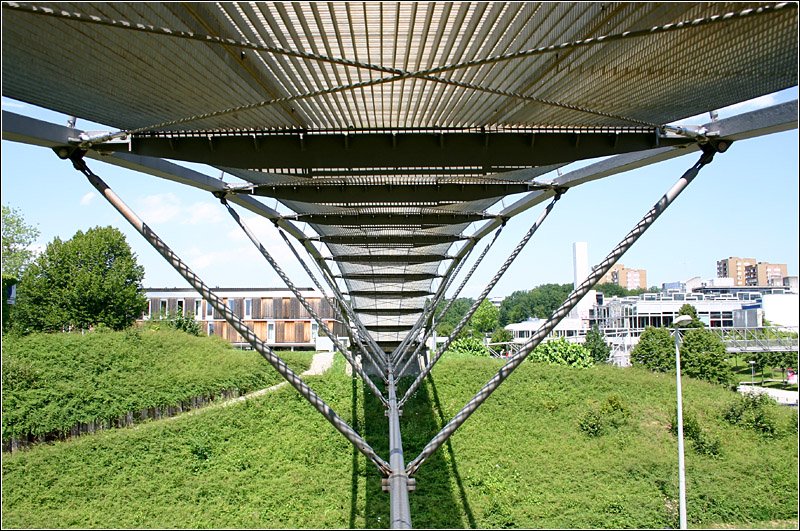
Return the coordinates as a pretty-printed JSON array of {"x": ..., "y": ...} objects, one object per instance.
[{"x": 680, "y": 320}]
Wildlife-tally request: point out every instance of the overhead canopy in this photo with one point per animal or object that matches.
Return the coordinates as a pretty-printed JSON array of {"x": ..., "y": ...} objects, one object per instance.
[{"x": 392, "y": 127}]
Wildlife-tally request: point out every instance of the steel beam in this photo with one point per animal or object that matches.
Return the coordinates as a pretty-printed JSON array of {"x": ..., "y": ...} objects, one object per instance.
[
  {"x": 377, "y": 294},
  {"x": 395, "y": 259},
  {"x": 310, "y": 149},
  {"x": 408, "y": 239},
  {"x": 389, "y": 277},
  {"x": 345, "y": 194},
  {"x": 389, "y": 312},
  {"x": 360, "y": 219}
]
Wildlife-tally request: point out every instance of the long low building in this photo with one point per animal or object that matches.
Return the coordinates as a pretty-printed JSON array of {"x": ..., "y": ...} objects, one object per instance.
[{"x": 274, "y": 314}]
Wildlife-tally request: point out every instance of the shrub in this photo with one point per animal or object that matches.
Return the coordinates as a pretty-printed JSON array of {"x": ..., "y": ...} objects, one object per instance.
[
  {"x": 501, "y": 335},
  {"x": 596, "y": 344},
  {"x": 703, "y": 357},
  {"x": 655, "y": 350},
  {"x": 703, "y": 443},
  {"x": 468, "y": 346},
  {"x": 754, "y": 412},
  {"x": 562, "y": 352},
  {"x": 592, "y": 423},
  {"x": 612, "y": 414}
]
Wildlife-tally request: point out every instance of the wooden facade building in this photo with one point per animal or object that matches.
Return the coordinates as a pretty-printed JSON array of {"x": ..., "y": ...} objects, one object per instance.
[{"x": 274, "y": 314}]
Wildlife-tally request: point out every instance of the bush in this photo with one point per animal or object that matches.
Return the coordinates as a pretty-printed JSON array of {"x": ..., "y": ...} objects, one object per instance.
[
  {"x": 753, "y": 412},
  {"x": 562, "y": 352},
  {"x": 501, "y": 335},
  {"x": 468, "y": 346},
  {"x": 703, "y": 356},
  {"x": 592, "y": 423},
  {"x": 655, "y": 350},
  {"x": 596, "y": 344},
  {"x": 703, "y": 443},
  {"x": 612, "y": 414}
]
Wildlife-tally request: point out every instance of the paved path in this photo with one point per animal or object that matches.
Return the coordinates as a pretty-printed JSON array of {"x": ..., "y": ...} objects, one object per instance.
[
  {"x": 786, "y": 398},
  {"x": 321, "y": 362}
]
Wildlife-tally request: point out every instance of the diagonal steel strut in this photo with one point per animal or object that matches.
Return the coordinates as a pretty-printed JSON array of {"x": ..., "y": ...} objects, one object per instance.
[
  {"x": 453, "y": 297},
  {"x": 246, "y": 332},
  {"x": 304, "y": 302},
  {"x": 577, "y": 294},
  {"x": 336, "y": 306},
  {"x": 482, "y": 296}
]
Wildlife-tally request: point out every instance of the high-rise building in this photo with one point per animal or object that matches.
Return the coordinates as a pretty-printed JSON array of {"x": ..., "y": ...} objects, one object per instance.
[
  {"x": 734, "y": 267},
  {"x": 626, "y": 277},
  {"x": 764, "y": 274}
]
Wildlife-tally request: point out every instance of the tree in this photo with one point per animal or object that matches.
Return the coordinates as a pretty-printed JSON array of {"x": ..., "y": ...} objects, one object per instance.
[
  {"x": 655, "y": 350},
  {"x": 17, "y": 238},
  {"x": 596, "y": 344},
  {"x": 484, "y": 320},
  {"x": 448, "y": 322},
  {"x": 89, "y": 280},
  {"x": 540, "y": 302},
  {"x": 703, "y": 356},
  {"x": 689, "y": 310},
  {"x": 501, "y": 335}
]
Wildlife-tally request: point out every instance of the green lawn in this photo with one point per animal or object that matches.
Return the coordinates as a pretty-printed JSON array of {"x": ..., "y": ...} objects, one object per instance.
[
  {"x": 51, "y": 382},
  {"x": 521, "y": 461}
]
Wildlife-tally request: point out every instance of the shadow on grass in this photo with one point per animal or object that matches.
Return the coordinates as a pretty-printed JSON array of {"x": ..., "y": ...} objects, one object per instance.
[{"x": 434, "y": 504}]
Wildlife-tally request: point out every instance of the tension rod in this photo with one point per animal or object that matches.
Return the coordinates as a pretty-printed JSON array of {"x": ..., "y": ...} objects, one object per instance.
[
  {"x": 231, "y": 318},
  {"x": 398, "y": 352},
  {"x": 481, "y": 297},
  {"x": 303, "y": 301},
  {"x": 573, "y": 299},
  {"x": 335, "y": 307},
  {"x": 469, "y": 274}
]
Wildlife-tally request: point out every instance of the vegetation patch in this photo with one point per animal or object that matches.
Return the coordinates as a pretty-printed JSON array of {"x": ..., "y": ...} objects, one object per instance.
[
  {"x": 53, "y": 382},
  {"x": 273, "y": 462}
]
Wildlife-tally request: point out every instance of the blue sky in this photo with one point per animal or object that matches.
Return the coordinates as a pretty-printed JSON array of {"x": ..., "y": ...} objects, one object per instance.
[{"x": 743, "y": 204}]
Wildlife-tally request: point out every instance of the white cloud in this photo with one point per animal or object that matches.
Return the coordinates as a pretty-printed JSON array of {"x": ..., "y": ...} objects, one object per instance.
[
  {"x": 88, "y": 198},
  {"x": 200, "y": 213},
  {"x": 160, "y": 208}
]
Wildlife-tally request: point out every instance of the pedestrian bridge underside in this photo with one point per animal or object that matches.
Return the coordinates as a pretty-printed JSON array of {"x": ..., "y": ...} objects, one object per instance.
[{"x": 389, "y": 133}]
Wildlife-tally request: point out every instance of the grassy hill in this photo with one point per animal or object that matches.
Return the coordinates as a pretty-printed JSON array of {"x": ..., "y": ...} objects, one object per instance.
[
  {"x": 523, "y": 460},
  {"x": 52, "y": 382}
]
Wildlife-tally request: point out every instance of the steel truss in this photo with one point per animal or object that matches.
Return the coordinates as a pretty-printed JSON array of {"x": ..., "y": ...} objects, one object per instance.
[
  {"x": 391, "y": 365},
  {"x": 399, "y": 475}
]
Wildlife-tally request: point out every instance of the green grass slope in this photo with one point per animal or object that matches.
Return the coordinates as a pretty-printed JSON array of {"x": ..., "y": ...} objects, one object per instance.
[
  {"x": 520, "y": 461},
  {"x": 51, "y": 382}
]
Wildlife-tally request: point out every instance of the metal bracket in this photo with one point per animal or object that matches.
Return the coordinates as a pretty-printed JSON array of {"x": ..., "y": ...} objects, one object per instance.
[
  {"x": 698, "y": 132},
  {"x": 412, "y": 484}
]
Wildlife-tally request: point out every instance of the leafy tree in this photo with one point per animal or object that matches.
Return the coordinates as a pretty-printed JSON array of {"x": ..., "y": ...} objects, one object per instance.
[
  {"x": 501, "y": 335},
  {"x": 448, "y": 322},
  {"x": 514, "y": 308},
  {"x": 17, "y": 238},
  {"x": 655, "y": 350},
  {"x": 689, "y": 310},
  {"x": 703, "y": 356},
  {"x": 596, "y": 344},
  {"x": 484, "y": 320},
  {"x": 89, "y": 280},
  {"x": 562, "y": 352},
  {"x": 540, "y": 302},
  {"x": 546, "y": 299}
]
